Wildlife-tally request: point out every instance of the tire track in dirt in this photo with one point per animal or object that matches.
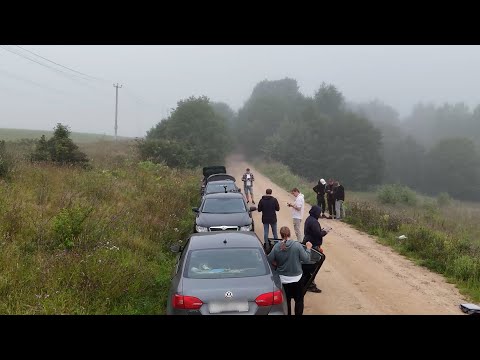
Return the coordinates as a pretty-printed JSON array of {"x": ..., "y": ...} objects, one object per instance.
[{"x": 359, "y": 276}]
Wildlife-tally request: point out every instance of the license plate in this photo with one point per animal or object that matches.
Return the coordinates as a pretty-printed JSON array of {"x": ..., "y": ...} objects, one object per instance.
[{"x": 215, "y": 308}]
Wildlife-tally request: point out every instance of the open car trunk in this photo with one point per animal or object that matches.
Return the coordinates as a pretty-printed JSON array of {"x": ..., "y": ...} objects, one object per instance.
[
  {"x": 217, "y": 177},
  {"x": 210, "y": 170},
  {"x": 310, "y": 269}
]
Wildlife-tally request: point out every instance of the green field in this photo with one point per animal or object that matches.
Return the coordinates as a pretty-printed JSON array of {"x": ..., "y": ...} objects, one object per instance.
[{"x": 17, "y": 134}]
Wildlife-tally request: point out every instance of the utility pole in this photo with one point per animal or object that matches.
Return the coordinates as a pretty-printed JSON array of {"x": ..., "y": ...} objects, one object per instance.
[{"x": 116, "y": 107}]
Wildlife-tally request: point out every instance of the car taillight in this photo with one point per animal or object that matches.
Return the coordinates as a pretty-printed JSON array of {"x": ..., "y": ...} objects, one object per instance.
[
  {"x": 186, "y": 302},
  {"x": 270, "y": 298}
]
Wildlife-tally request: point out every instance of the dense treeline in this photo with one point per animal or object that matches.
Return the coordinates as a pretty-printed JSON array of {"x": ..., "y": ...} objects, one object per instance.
[
  {"x": 434, "y": 150},
  {"x": 195, "y": 134},
  {"x": 316, "y": 137}
]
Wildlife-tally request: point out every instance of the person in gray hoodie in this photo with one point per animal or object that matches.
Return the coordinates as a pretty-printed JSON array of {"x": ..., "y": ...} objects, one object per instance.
[{"x": 287, "y": 256}]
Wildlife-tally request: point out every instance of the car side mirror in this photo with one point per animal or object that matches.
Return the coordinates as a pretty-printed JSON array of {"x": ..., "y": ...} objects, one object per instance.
[
  {"x": 253, "y": 208},
  {"x": 195, "y": 209},
  {"x": 176, "y": 248}
]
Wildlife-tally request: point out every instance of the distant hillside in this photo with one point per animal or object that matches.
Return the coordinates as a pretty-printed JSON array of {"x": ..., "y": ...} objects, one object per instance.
[{"x": 17, "y": 134}]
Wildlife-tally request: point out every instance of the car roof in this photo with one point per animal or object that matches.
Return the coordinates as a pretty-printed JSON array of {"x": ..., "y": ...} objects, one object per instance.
[
  {"x": 221, "y": 195},
  {"x": 234, "y": 239}
]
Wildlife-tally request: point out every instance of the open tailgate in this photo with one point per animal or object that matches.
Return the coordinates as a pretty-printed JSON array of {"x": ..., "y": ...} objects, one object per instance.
[{"x": 210, "y": 170}]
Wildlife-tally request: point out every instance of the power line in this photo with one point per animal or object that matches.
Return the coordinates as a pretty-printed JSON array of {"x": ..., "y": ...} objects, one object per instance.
[
  {"x": 61, "y": 72},
  {"x": 14, "y": 76},
  {"x": 137, "y": 98},
  {"x": 26, "y": 57},
  {"x": 53, "y": 62},
  {"x": 76, "y": 75}
]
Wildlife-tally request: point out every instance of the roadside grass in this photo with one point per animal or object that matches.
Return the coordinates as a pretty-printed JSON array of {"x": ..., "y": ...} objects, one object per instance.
[
  {"x": 95, "y": 241},
  {"x": 441, "y": 234}
]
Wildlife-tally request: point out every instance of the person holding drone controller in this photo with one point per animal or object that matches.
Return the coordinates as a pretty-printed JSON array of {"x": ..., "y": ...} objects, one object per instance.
[{"x": 297, "y": 211}]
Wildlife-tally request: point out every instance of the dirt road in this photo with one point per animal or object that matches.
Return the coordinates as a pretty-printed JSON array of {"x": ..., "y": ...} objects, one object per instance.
[{"x": 359, "y": 276}]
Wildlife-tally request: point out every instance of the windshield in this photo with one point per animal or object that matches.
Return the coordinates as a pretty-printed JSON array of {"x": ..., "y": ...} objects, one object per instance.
[
  {"x": 224, "y": 206},
  {"x": 216, "y": 188},
  {"x": 225, "y": 263}
]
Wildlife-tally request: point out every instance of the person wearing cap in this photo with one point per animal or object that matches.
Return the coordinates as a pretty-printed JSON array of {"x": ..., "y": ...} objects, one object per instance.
[
  {"x": 320, "y": 191},
  {"x": 248, "y": 179}
]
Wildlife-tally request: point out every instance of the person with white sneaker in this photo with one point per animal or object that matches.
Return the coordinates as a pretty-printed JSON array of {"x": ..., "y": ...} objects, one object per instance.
[
  {"x": 339, "y": 193},
  {"x": 297, "y": 212}
]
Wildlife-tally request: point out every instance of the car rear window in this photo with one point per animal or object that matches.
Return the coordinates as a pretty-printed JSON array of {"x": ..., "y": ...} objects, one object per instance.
[
  {"x": 224, "y": 206},
  {"x": 215, "y": 188},
  {"x": 225, "y": 263}
]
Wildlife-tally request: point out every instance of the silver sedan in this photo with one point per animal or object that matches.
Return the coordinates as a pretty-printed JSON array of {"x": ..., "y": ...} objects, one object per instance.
[{"x": 224, "y": 273}]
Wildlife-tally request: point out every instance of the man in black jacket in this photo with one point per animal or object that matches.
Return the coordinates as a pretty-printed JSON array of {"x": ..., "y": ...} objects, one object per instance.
[
  {"x": 320, "y": 191},
  {"x": 314, "y": 234},
  {"x": 268, "y": 206},
  {"x": 329, "y": 188}
]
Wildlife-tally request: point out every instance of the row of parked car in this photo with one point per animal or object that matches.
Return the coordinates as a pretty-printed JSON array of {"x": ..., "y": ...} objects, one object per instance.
[
  {"x": 223, "y": 206},
  {"x": 222, "y": 268}
]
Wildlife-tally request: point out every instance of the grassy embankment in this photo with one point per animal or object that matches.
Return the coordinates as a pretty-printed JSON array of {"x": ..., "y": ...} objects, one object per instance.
[{"x": 95, "y": 241}]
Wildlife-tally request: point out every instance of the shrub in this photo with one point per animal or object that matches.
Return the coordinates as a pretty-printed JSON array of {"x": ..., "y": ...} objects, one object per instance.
[
  {"x": 59, "y": 148},
  {"x": 68, "y": 225},
  {"x": 444, "y": 199},
  {"x": 395, "y": 193}
]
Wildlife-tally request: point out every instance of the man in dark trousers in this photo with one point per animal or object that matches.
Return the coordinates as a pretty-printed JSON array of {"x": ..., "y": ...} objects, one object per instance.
[
  {"x": 329, "y": 189},
  {"x": 339, "y": 199},
  {"x": 320, "y": 191},
  {"x": 314, "y": 234},
  {"x": 268, "y": 206}
]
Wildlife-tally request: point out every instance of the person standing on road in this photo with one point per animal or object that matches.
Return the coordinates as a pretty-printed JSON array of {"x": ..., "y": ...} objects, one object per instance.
[
  {"x": 339, "y": 199},
  {"x": 287, "y": 256},
  {"x": 297, "y": 212},
  {"x": 320, "y": 191},
  {"x": 330, "y": 199},
  {"x": 313, "y": 234},
  {"x": 248, "y": 179},
  {"x": 268, "y": 206}
]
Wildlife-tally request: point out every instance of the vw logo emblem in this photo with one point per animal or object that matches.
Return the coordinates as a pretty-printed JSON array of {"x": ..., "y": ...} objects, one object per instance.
[{"x": 228, "y": 294}]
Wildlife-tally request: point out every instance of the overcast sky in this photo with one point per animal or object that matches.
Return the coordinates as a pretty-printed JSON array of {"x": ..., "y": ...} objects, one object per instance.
[{"x": 155, "y": 77}]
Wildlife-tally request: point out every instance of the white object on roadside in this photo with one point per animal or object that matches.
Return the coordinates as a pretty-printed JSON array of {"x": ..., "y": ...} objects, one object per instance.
[
  {"x": 470, "y": 309},
  {"x": 401, "y": 237}
]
